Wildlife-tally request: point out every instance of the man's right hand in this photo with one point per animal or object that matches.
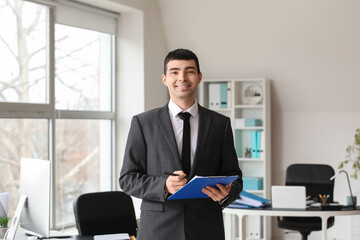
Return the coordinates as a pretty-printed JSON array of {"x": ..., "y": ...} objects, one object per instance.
[{"x": 174, "y": 183}]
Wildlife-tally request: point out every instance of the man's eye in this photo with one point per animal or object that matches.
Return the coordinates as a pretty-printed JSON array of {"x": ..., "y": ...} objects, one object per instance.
[{"x": 173, "y": 73}]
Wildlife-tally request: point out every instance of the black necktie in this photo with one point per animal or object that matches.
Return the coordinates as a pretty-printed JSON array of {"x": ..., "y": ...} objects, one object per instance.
[{"x": 185, "y": 161}]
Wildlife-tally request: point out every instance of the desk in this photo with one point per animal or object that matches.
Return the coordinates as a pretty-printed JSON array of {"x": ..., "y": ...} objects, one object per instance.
[
  {"x": 20, "y": 235},
  {"x": 23, "y": 236},
  {"x": 310, "y": 212}
]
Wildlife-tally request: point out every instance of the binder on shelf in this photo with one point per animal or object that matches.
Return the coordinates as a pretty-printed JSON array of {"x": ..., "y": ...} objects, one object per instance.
[
  {"x": 258, "y": 144},
  {"x": 193, "y": 189},
  {"x": 253, "y": 144},
  {"x": 229, "y": 94},
  {"x": 219, "y": 95},
  {"x": 214, "y": 95},
  {"x": 262, "y": 145},
  {"x": 238, "y": 145},
  {"x": 223, "y": 95},
  {"x": 254, "y": 227}
]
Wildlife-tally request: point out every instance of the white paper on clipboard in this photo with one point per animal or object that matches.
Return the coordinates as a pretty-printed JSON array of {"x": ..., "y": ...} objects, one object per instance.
[{"x": 4, "y": 204}]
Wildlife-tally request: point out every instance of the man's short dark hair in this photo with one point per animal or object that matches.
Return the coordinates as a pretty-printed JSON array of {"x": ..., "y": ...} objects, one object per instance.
[{"x": 181, "y": 54}]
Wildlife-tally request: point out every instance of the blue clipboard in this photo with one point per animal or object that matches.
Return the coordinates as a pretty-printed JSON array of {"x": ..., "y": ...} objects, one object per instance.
[{"x": 193, "y": 189}]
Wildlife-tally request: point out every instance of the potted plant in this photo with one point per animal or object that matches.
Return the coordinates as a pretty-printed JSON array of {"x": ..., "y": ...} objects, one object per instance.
[
  {"x": 247, "y": 152},
  {"x": 353, "y": 156},
  {"x": 3, "y": 226}
]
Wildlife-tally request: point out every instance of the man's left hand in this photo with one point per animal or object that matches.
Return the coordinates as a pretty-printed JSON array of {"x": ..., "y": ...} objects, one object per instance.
[{"x": 215, "y": 194}]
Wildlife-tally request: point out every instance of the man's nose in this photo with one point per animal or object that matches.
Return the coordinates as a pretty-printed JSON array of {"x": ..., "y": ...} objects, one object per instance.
[{"x": 182, "y": 76}]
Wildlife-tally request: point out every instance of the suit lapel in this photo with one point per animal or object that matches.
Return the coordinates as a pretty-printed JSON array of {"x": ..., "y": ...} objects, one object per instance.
[
  {"x": 168, "y": 132},
  {"x": 203, "y": 131}
]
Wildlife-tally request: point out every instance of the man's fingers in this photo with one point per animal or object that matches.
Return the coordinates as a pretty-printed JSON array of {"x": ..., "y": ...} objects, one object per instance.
[
  {"x": 174, "y": 183},
  {"x": 221, "y": 187},
  {"x": 217, "y": 194},
  {"x": 213, "y": 193}
]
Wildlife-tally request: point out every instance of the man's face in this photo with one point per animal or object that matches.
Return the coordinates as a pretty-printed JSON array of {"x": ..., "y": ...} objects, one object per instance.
[{"x": 182, "y": 80}]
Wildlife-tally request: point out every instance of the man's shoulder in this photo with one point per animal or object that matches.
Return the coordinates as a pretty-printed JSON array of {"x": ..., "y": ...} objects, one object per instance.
[{"x": 151, "y": 113}]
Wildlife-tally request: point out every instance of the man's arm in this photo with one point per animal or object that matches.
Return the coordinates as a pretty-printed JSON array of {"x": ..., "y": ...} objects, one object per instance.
[
  {"x": 227, "y": 194},
  {"x": 133, "y": 177}
]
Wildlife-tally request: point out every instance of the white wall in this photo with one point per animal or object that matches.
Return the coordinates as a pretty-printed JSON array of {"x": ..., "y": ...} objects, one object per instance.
[
  {"x": 141, "y": 48},
  {"x": 308, "y": 48},
  {"x": 156, "y": 93}
]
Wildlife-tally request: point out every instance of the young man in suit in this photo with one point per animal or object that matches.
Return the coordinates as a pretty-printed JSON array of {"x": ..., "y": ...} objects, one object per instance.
[{"x": 154, "y": 146}]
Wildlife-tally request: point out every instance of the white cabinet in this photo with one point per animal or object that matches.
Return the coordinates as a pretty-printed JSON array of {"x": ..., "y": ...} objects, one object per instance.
[{"x": 247, "y": 103}]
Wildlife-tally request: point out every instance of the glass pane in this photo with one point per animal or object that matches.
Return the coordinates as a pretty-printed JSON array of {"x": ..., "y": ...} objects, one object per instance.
[
  {"x": 23, "y": 52},
  {"x": 83, "y": 162},
  {"x": 83, "y": 69},
  {"x": 19, "y": 138}
]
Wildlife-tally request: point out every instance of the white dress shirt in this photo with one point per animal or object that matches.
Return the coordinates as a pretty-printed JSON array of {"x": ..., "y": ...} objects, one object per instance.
[{"x": 177, "y": 124}]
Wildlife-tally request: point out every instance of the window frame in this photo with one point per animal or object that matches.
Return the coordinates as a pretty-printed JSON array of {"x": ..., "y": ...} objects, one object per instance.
[{"x": 47, "y": 110}]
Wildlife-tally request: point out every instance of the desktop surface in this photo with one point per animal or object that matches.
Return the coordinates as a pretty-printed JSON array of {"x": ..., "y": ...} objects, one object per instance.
[
  {"x": 342, "y": 208},
  {"x": 22, "y": 236},
  {"x": 309, "y": 212}
]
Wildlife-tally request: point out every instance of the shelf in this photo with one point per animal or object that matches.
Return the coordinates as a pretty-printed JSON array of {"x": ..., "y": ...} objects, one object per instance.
[
  {"x": 221, "y": 109},
  {"x": 248, "y": 106},
  {"x": 250, "y": 128},
  {"x": 246, "y": 99},
  {"x": 250, "y": 159}
]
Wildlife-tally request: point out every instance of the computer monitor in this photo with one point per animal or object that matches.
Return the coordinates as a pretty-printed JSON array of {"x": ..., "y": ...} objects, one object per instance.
[{"x": 35, "y": 184}]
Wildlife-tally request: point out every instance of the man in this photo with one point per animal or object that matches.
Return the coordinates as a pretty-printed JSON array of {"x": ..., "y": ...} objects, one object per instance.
[{"x": 155, "y": 146}]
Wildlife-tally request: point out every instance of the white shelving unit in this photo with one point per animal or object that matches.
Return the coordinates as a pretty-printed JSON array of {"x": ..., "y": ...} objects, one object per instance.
[{"x": 242, "y": 106}]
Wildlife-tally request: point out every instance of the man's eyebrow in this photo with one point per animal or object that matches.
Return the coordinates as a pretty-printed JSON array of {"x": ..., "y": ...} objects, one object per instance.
[
  {"x": 190, "y": 67},
  {"x": 178, "y": 69}
]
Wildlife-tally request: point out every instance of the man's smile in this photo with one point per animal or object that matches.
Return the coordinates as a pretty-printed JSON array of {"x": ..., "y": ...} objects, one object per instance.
[{"x": 183, "y": 85}]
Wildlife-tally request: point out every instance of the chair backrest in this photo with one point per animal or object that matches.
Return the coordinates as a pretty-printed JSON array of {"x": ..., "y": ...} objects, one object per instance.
[
  {"x": 105, "y": 213},
  {"x": 315, "y": 177}
]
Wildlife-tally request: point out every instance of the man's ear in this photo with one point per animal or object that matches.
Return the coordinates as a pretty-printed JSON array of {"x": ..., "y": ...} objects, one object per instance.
[
  {"x": 164, "y": 79},
  {"x": 200, "y": 77}
]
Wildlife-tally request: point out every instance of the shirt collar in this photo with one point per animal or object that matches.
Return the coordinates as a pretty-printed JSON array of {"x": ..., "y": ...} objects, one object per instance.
[{"x": 175, "y": 109}]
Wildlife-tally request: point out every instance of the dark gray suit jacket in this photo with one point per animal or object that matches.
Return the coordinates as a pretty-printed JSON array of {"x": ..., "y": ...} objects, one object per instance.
[{"x": 151, "y": 150}]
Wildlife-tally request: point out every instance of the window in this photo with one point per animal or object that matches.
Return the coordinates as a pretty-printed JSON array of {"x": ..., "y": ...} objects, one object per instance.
[
  {"x": 57, "y": 97},
  {"x": 23, "y": 52},
  {"x": 84, "y": 55}
]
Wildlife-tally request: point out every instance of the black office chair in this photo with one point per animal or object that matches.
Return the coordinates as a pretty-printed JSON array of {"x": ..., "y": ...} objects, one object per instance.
[
  {"x": 105, "y": 213},
  {"x": 316, "y": 179}
]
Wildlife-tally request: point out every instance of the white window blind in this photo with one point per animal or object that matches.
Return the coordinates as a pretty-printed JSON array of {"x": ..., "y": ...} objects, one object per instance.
[{"x": 78, "y": 15}]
